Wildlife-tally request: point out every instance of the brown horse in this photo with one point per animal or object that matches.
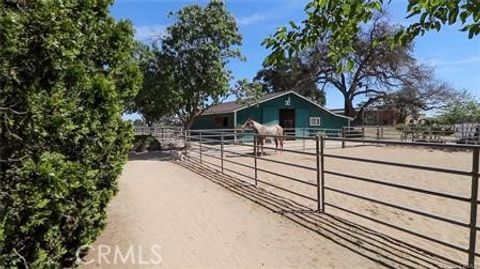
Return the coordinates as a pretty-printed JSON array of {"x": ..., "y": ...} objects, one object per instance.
[{"x": 264, "y": 131}]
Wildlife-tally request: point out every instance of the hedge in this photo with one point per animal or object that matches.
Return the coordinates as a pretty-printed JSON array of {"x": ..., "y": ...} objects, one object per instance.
[{"x": 66, "y": 74}]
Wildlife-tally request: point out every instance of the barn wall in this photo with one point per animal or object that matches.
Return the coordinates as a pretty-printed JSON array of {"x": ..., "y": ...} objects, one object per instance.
[
  {"x": 268, "y": 113},
  {"x": 211, "y": 122}
]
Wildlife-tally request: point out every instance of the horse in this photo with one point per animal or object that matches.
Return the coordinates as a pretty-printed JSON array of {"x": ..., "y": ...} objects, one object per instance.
[{"x": 264, "y": 131}]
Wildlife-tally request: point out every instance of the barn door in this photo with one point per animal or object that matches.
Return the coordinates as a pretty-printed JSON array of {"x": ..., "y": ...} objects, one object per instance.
[{"x": 287, "y": 121}]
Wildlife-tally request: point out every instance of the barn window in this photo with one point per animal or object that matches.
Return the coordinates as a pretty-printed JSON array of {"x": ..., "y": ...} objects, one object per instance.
[{"x": 314, "y": 121}]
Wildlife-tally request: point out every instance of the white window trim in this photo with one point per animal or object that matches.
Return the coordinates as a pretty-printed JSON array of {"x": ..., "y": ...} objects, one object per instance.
[{"x": 315, "y": 121}]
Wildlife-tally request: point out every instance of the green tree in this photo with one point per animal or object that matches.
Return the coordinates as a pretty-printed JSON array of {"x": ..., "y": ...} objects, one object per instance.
[
  {"x": 295, "y": 74},
  {"x": 150, "y": 100},
  {"x": 465, "y": 109},
  {"x": 67, "y": 73},
  {"x": 339, "y": 22},
  {"x": 191, "y": 70}
]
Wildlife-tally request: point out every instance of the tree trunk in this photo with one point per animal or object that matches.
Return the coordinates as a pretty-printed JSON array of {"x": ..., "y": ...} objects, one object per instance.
[
  {"x": 187, "y": 125},
  {"x": 349, "y": 110}
]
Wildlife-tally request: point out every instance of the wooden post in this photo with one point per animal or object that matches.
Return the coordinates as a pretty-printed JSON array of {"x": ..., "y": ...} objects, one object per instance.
[
  {"x": 343, "y": 137},
  {"x": 473, "y": 209}
]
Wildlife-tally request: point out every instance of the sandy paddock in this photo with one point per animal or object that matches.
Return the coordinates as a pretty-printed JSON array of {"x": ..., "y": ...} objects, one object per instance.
[
  {"x": 203, "y": 218},
  {"x": 209, "y": 221},
  {"x": 434, "y": 181}
]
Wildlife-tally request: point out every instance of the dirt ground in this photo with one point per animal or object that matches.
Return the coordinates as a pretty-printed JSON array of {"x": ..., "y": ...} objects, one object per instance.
[
  {"x": 203, "y": 218},
  {"x": 440, "y": 182},
  {"x": 214, "y": 221}
]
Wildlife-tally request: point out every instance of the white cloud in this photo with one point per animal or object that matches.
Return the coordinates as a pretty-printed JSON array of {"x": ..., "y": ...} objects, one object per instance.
[
  {"x": 457, "y": 62},
  {"x": 251, "y": 19},
  {"x": 149, "y": 32}
]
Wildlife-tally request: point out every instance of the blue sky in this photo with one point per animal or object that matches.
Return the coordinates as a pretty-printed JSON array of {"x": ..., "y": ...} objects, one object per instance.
[{"x": 456, "y": 58}]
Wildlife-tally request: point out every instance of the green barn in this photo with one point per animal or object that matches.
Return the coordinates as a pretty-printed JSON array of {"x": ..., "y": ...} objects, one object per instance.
[{"x": 289, "y": 109}]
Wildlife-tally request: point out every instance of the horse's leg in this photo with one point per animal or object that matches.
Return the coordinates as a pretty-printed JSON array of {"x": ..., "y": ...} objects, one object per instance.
[{"x": 276, "y": 143}]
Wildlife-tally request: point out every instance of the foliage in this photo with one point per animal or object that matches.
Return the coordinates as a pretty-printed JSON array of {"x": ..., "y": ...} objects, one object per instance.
[
  {"x": 367, "y": 71},
  {"x": 461, "y": 110},
  {"x": 421, "y": 94},
  {"x": 190, "y": 72},
  {"x": 147, "y": 100},
  {"x": 66, "y": 74},
  {"x": 339, "y": 22},
  {"x": 293, "y": 75},
  {"x": 248, "y": 92},
  {"x": 379, "y": 74}
]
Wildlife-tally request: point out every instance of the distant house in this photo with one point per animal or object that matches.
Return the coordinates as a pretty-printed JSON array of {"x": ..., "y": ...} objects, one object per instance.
[{"x": 288, "y": 109}]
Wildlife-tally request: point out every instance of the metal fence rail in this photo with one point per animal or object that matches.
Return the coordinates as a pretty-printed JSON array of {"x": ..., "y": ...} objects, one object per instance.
[{"x": 213, "y": 145}]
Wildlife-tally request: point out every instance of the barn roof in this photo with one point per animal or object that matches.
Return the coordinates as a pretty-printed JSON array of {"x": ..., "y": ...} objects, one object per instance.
[{"x": 234, "y": 106}]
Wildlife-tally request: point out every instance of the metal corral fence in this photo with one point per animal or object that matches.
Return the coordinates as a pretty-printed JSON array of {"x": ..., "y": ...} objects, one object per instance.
[
  {"x": 458, "y": 134},
  {"x": 208, "y": 146},
  {"x": 241, "y": 135},
  {"x": 168, "y": 135}
]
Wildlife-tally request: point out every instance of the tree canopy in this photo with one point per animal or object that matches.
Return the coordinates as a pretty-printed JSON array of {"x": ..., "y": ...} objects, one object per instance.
[
  {"x": 464, "y": 109},
  {"x": 366, "y": 58},
  {"x": 340, "y": 21},
  {"x": 190, "y": 71},
  {"x": 296, "y": 75}
]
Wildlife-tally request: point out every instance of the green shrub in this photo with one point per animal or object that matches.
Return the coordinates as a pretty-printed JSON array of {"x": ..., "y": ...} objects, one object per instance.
[{"x": 66, "y": 74}]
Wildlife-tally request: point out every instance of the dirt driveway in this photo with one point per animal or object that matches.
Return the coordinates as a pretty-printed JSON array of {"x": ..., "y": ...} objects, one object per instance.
[{"x": 169, "y": 216}]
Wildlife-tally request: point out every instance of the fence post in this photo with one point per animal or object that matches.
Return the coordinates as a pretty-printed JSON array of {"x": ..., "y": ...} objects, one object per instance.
[
  {"x": 163, "y": 136},
  {"x": 304, "y": 135},
  {"x": 473, "y": 209},
  {"x": 185, "y": 142},
  {"x": 322, "y": 169},
  {"x": 255, "y": 156},
  {"x": 363, "y": 135},
  {"x": 221, "y": 151},
  {"x": 200, "y": 145},
  {"x": 343, "y": 137},
  {"x": 317, "y": 147},
  {"x": 175, "y": 139}
]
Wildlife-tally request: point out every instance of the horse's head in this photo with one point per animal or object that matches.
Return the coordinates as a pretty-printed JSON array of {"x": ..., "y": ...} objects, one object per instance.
[{"x": 248, "y": 124}]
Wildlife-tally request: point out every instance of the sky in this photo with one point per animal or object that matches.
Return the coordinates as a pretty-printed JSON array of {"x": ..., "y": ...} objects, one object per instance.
[{"x": 455, "y": 57}]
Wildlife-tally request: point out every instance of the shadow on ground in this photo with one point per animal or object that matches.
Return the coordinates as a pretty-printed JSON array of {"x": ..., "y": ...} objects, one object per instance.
[
  {"x": 368, "y": 243},
  {"x": 150, "y": 156}
]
